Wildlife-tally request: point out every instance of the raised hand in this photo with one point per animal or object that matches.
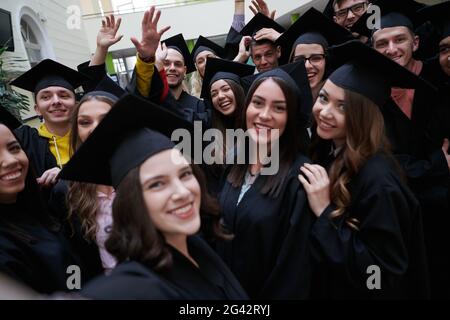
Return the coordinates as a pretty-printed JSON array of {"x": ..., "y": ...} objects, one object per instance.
[
  {"x": 261, "y": 6},
  {"x": 107, "y": 35},
  {"x": 151, "y": 37},
  {"x": 244, "y": 49}
]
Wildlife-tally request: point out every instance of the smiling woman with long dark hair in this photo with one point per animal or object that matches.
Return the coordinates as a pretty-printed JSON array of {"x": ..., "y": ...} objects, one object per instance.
[
  {"x": 268, "y": 214},
  {"x": 33, "y": 249},
  {"x": 161, "y": 205}
]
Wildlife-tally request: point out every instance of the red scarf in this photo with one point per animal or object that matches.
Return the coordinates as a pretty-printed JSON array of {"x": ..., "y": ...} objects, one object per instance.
[{"x": 404, "y": 97}]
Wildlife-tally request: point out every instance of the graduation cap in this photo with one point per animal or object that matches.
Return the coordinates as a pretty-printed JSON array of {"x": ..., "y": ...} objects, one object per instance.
[
  {"x": 204, "y": 44},
  {"x": 438, "y": 15},
  {"x": 8, "y": 119},
  {"x": 312, "y": 27},
  {"x": 368, "y": 72},
  {"x": 130, "y": 133},
  {"x": 296, "y": 77},
  {"x": 219, "y": 69},
  {"x": 258, "y": 22},
  {"x": 49, "y": 73},
  {"x": 108, "y": 88},
  {"x": 178, "y": 43},
  {"x": 398, "y": 13},
  {"x": 329, "y": 10}
]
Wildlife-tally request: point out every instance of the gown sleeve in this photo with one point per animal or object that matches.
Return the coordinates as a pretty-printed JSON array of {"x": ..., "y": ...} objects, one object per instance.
[{"x": 385, "y": 225}]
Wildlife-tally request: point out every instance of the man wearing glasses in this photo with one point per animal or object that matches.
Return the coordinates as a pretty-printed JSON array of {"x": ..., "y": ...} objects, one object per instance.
[{"x": 347, "y": 12}]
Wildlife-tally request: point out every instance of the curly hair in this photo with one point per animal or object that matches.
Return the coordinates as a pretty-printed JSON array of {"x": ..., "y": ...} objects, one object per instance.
[{"x": 365, "y": 136}]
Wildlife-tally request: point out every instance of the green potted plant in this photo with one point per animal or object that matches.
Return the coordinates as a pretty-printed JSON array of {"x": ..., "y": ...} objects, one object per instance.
[{"x": 14, "y": 102}]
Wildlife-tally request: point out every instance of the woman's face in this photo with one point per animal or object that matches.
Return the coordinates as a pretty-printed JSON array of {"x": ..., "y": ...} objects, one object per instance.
[
  {"x": 90, "y": 114},
  {"x": 329, "y": 113},
  {"x": 200, "y": 61},
  {"x": 172, "y": 194},
  {"x": 315, "y": 63},
  {"x": 267, "y": 114},
  {"x": 13, "y": 166},
  {"x": 223, "y": 98}
]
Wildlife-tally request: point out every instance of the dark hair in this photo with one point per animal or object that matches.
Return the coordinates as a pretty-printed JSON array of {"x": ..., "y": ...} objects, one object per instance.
[
  {"x": 262, "y": 42},
  {"x": 134, "y": 236},
  {"x": 289, "y": 140},
  {"x": 365, "y": 136},
  {"x": 82, "y": 197},
  {"x": 31, "y": 200},
  {"x": 328, "y": 61},
  {"x": 223, "y": 122}
]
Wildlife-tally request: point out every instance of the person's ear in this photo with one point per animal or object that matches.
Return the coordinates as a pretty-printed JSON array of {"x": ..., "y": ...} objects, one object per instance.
[
  {"x": 278, "y": 52},
  {"x": 416, "y": 42},
  {"x": 36, "y": 109}
]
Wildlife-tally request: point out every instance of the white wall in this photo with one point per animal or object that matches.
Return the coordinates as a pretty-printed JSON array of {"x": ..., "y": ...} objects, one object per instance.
[
  {"x": 207, "y": 19},
  {"x": 69, "y": 47}
]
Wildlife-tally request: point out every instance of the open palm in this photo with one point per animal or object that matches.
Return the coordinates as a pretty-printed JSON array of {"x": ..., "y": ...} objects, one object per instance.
[
  {"x": 150, "y": 35},
  {"x": 107, "y": 35}
]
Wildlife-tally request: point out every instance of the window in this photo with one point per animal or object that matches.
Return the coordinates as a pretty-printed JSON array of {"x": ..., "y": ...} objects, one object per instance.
[{"x": 32, "y": 46}]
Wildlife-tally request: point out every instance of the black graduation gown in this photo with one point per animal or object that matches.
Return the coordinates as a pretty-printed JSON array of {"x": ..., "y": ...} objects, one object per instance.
[
  {"x": 87, "y": 251},
  {"x": 417, "y": 144},
  {"x": 390, "y": 236},
  {"x": 132, "y": 280},
  {"x": 438, "y": 200},
  {"x": 187, "y": 106},
  {"x": 36, "y": 148},
  {"x": 269, "y": 252},
  {"x": 413, "y": 145},
  {"x": 39, "y": 261}
]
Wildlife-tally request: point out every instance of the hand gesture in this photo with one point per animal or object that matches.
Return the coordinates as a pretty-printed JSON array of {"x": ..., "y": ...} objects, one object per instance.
[
  {"x": 107, "y": 35},
  {"x": 267, "y": 33},
  {"x": 150, "y": 35},
  {"x": 261, "y": 6},
  {"x": 244, "y": 49},
  {"x": 317, "y": 187},
  {"x": 49, "y": 177}
]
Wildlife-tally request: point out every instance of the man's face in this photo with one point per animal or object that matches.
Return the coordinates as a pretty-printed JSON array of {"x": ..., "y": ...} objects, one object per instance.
[
  {"x": 265, "y": 56},
  {"x": 444, "y": 55},
  {"x": 347, "y": 12},
  {"x": 175, "y": 68},
  {"x": 55, "y": 105},
  {"x": 396, "y": 43}
]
